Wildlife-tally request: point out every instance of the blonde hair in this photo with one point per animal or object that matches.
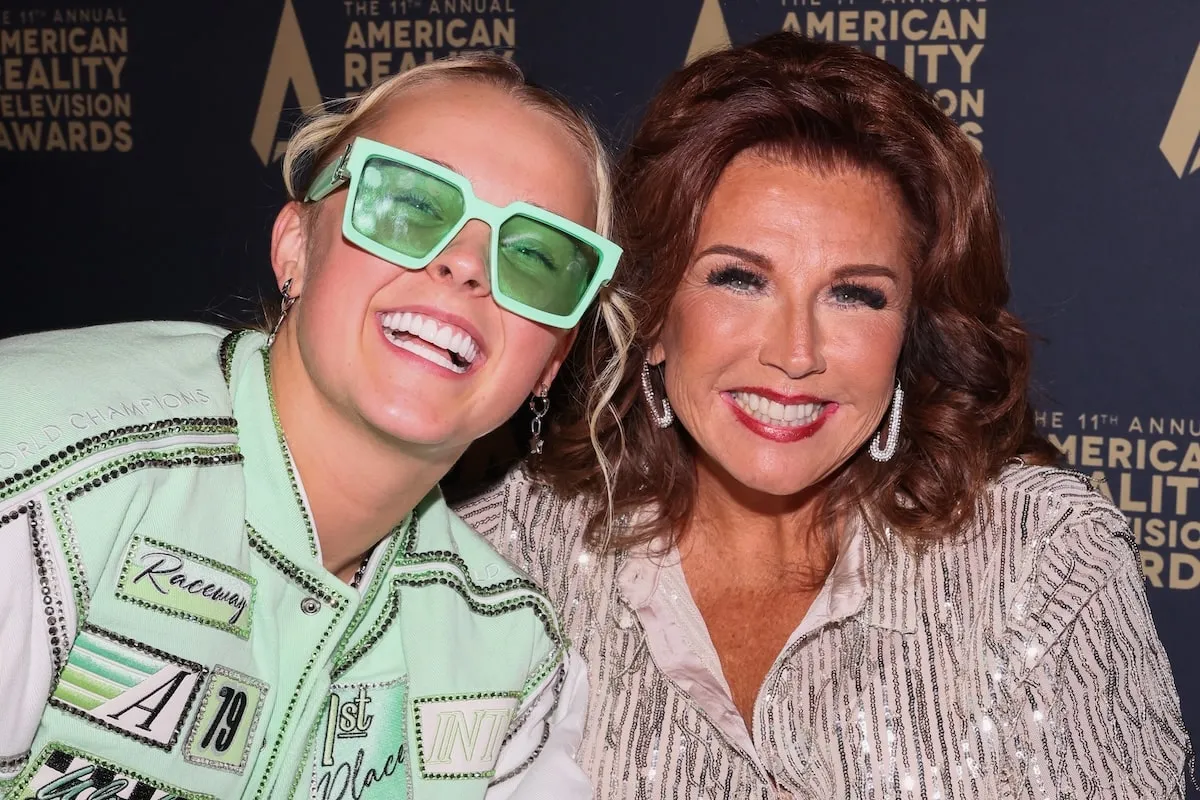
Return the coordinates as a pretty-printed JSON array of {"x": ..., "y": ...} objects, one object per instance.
[
  {"x": 620, "y": 323},
  {"x": 324, "y": 134}
]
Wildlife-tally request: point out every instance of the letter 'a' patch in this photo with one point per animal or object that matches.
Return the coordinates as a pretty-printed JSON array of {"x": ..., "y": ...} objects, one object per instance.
[
  {"x": 127, "y": 687},
  {"x": 459, "y": 736},
  {"x": 65, "y": 772}
]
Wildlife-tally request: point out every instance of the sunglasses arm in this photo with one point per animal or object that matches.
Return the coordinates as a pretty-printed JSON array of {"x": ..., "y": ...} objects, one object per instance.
[{"x": 329, "y": 179}]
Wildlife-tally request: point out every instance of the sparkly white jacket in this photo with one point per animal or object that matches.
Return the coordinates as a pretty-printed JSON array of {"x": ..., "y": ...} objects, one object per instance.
[
  {"x": 168, "y": 630},
  {"x": 1018, "y": 660}
]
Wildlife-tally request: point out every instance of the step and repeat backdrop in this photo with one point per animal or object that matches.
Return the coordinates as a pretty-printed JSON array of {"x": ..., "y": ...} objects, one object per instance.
[{"x": 139, "y": 147}]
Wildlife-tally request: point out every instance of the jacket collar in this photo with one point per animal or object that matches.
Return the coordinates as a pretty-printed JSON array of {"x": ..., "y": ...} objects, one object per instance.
[{"x": 276, "y": 507}]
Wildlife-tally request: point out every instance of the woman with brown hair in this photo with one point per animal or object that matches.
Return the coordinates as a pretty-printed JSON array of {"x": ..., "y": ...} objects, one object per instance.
[{"x": 796, "y": 513}]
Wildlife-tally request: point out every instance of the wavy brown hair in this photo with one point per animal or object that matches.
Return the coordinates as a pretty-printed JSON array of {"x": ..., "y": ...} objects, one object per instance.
[{"x": 965, "y": 360}]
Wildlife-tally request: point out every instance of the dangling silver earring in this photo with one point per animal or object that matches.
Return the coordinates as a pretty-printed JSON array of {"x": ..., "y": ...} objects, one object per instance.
[
  {"x": 285, "y": 305},
  {"x": 539, "y": 404},
  {"x": 665, "y": 417},
  {"x": 886, "y": 451}
]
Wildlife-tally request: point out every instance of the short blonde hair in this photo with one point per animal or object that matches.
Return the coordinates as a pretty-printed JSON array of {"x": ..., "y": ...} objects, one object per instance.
[{"x": 324, "y": 134}]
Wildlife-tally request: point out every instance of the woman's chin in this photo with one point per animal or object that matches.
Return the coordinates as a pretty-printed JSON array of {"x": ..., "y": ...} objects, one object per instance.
[
  {"x": 766, "y": 479},
  {"x": 415, "y": 429}
]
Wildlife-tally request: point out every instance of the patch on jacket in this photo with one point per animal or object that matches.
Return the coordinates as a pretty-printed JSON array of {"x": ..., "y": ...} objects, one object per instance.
[
  {"x": 127, "y": 687},
  {"x": 64, "y": 772},
  {"x": 360, "y": 746},
  {"x": 459, "y": 736},
  {"x": 186, "y": 585},
  {"x": 223, "y": 733}
]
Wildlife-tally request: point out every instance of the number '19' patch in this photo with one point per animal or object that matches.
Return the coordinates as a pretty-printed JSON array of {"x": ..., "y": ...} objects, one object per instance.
[{"x": 223, "y": 733}]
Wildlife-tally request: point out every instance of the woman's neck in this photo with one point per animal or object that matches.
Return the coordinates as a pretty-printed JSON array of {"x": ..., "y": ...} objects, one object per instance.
[
  {"x": 754, "y": 535},
  {"x": 359, "y": 486}
]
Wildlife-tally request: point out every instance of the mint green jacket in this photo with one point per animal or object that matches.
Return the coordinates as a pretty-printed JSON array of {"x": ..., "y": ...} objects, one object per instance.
[{"x": 168, "y": 630}]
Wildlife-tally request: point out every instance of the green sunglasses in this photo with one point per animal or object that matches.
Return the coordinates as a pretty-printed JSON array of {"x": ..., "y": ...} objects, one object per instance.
[{"x": 405, "y": 209}]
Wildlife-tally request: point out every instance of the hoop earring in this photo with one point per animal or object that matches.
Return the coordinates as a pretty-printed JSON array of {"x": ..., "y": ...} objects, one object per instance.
[
  {"x": 285, "y": 305},
  {"x": 886, "y": 451},
  {"x": 665, "y": 417},
  {"x": 539, "y": 404}
]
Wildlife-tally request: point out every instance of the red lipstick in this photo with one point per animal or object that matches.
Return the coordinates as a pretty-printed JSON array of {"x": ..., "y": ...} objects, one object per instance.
[{"x": 779, "y": 433}]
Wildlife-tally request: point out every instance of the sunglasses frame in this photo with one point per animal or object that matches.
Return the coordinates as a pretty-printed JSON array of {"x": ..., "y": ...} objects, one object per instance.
[{"x": 348, "y": 169}]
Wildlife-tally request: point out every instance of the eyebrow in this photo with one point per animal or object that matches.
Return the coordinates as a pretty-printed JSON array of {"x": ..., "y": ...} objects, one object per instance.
[
  {"x": 865, "y": 270},
  {"x": 757, "y": 259},
  {"x": 764, "y": 263},
  {"x": 441, "y": 163}
]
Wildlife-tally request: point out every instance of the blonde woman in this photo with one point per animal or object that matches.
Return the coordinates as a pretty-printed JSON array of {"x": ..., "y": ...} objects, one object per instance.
[{"x": 225, "y": 565}]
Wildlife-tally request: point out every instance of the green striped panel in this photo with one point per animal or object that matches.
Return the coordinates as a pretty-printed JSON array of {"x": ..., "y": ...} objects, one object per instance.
[
  {"x": 106, "y": 669},
  {"x": 77, "y": 697},
  {"x": 81, "y": 679},
  {"x": 98, "y": 670},
  {"x": 125, "y": 658}
]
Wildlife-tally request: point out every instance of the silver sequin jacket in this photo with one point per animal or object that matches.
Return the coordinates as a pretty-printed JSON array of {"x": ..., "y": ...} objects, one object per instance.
[{"x": 1017, "y": 660}]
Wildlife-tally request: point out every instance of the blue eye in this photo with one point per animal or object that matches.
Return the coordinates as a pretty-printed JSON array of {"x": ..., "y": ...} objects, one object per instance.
[
  {"x": 737, "y": 279},
  {"x": 856, "y": 294}
]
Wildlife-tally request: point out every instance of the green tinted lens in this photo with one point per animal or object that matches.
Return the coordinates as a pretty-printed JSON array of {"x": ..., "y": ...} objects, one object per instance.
[
  {"x": 404, "y": 209},
  {"x": 544, "y": 267}
]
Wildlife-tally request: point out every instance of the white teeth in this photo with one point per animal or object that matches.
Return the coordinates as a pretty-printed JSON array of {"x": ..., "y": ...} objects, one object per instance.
[
  {"x": 439, "y": 334},
  {"x": 426, "y": 352},
  {"x": 772, "y": 412}
]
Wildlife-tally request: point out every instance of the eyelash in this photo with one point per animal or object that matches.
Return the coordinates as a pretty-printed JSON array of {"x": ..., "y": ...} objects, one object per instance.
[
  {"x": 420, "y": 203},
  {"x": 856, "y": 293},
  {"x": 743, "y": 281},
  {"x": 732, "y": 275}
]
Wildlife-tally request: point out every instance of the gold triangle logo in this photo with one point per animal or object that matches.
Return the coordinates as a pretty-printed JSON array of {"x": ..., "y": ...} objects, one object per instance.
[
  {"x": 711, "y": 31},
  {"x": 1183, "y": 129},
  {"x": 290, "y": 65}
]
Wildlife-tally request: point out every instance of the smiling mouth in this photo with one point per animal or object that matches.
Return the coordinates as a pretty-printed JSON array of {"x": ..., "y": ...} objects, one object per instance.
[
  {"x": 446, "y": 345},
  {"x": 776, "y": 414}
]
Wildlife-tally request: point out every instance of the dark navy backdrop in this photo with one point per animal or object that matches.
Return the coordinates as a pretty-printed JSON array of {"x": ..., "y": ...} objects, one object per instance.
[{"x": 136, "y": 145}]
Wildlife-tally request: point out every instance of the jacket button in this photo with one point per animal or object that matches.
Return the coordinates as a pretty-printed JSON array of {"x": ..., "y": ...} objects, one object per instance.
[{"x": 310, "y": 605}]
